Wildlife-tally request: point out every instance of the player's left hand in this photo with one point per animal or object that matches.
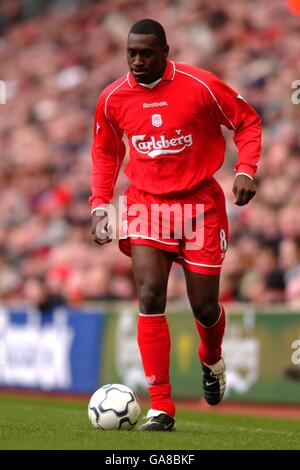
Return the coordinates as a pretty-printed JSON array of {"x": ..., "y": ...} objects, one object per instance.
[{"x": 244, "y": 189}]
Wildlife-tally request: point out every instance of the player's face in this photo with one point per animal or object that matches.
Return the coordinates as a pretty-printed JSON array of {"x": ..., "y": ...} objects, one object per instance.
[{"x": 146, "y": 57}]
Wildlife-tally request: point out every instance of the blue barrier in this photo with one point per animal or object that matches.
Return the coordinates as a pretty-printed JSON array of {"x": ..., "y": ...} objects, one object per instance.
[{"x": 60, "y": 350}]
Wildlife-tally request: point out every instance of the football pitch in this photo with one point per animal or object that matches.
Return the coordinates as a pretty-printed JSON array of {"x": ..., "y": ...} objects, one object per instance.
[{"x": 40, "y": 423}]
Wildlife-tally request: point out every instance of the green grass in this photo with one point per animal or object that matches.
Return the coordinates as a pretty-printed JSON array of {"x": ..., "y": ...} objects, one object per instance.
[{"x": 27, "y": 423}]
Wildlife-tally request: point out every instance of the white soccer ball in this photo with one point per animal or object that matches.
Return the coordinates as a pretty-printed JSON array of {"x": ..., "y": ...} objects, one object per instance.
[{"x": 114, "y": 406}]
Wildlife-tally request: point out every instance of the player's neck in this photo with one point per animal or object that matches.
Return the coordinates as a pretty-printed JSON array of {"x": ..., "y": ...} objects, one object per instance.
[{"x": 151, "y": 85}]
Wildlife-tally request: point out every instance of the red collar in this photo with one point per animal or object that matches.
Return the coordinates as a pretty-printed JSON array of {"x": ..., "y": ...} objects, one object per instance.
[{"x": 168, "y": 74}]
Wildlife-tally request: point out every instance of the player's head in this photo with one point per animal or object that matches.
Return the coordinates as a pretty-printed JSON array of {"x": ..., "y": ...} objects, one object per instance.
[{"x": 147, "y": 50}]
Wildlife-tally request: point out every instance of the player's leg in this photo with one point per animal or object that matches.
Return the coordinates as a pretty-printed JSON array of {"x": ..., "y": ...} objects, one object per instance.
[
  {"x": 203, "y": 293},
  {"x": 202, "y": 258},
  {"x": 151, "y": 268}
]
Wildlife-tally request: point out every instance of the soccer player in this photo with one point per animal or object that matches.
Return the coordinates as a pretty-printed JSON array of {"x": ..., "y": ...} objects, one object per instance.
[{"x": 172, "y": 114}]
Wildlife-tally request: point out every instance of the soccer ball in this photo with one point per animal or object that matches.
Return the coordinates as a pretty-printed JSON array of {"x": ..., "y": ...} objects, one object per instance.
[{"x": 114, "y": 406}]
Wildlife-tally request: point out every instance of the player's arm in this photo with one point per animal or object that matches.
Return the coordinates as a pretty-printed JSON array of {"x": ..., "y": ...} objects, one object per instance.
[
  {"x": 107, "y": 155},
  {"x": 230, "y": 109}
]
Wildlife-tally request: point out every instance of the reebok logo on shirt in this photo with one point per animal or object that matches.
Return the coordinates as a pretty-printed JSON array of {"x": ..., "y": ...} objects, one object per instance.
[
  {"x": 162, "y": 146},
  {"x": 155, "y": 104}
]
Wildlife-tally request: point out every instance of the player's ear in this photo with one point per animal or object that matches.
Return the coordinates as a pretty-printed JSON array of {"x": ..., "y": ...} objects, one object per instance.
[{"x": 166, "y": 51}]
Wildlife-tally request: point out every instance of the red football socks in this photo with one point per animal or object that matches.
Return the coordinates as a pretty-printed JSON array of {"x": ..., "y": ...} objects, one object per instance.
[
  {"x": 154, "y": 342},
  {"x": 210, "y": 349}
]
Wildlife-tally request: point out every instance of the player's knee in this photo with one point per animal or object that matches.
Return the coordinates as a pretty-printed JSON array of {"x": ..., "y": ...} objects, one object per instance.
[
  {"x": 152, "y": 299},
  {"x": 206, "y": 312}
]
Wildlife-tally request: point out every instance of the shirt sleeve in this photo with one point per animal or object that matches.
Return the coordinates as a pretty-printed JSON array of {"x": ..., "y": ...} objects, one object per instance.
[
  {"x": 107, "y": 155},
  {"x": 231, "y": 110}
]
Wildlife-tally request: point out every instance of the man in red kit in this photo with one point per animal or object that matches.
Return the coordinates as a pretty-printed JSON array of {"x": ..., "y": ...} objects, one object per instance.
[{"x": 171, "y": 114}]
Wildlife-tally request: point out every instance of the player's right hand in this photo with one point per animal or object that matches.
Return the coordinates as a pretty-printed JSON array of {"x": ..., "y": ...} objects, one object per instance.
[{"x": 100, "y": 230}]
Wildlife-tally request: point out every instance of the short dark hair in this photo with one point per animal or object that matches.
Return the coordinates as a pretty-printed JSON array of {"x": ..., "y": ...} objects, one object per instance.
[{"x": 148, "y": 26}]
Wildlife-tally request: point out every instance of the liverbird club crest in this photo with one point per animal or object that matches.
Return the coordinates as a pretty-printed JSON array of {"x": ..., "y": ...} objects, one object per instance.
[{"x": 156, "y": 120}]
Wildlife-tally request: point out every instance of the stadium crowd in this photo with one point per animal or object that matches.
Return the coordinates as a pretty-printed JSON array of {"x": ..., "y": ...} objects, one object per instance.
[{"x": 55, "y": 64}]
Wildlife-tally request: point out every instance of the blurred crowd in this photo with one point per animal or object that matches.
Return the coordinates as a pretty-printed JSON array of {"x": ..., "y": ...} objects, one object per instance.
[{"x": 56, "y": 62}]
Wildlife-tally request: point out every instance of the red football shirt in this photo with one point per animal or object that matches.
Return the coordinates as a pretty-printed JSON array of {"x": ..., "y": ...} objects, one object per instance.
[{"x": 174, "y": 132}]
